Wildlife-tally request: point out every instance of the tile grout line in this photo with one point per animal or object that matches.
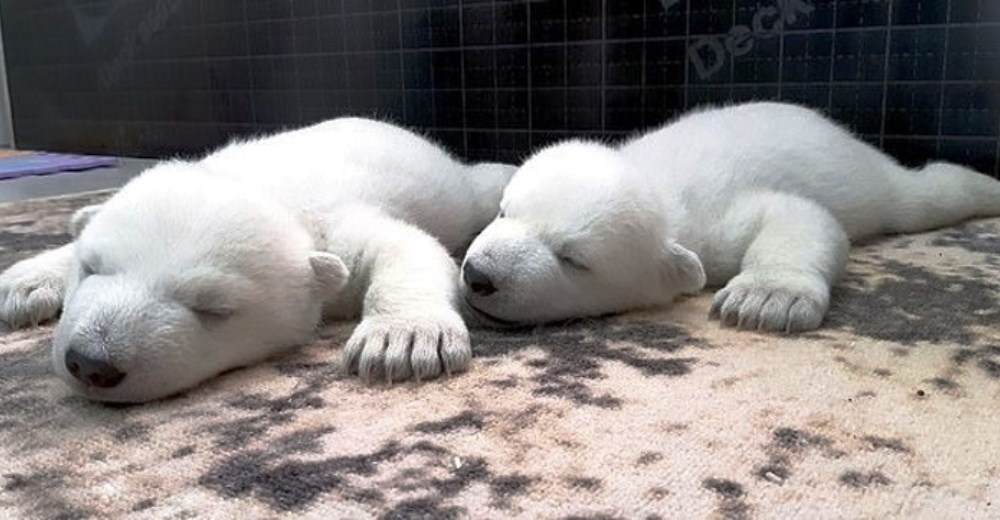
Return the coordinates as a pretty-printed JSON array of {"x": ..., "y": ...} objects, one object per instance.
[{"x": 885, "y": 76}]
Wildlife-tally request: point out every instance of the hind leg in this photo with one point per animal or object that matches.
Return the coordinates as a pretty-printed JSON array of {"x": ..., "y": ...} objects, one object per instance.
[
  {"x": 795, "y": 251},
  {"x": 940, "y": 194}
]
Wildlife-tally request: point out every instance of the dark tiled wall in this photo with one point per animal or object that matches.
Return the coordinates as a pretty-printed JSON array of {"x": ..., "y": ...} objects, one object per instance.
[{"x": 493, "y": 79}]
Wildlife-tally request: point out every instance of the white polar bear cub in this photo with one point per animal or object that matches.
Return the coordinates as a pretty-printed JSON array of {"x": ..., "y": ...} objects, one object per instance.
[
  {"x": 197, "y": 267},
  {"x": 762, "y": 198}
]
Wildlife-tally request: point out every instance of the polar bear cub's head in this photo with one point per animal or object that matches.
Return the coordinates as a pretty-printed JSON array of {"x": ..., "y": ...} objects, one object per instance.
[
  {"x": 578, "y": 234},
  {"x": 179, "y": 277}
]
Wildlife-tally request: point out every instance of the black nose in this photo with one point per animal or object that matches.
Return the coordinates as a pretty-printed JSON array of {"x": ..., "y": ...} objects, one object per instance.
[
  {"x": 93, "y": 372},
  {"x": 477, "y": 280}
]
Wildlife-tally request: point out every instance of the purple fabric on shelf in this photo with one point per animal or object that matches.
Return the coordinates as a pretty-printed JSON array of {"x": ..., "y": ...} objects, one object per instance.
[{"x": 19, "y": 164}]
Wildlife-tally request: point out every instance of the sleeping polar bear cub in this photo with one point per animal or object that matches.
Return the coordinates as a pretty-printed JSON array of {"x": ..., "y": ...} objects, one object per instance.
[
  {"x": 197, "y": 267},
  {"x": 760, "y": 199}
]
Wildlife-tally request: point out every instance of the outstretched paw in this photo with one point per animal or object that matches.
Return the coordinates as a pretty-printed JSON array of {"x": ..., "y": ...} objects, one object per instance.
[
  {"x": 787, "y": 302},
  {"x": 400, "y": 347},
  {"x": 31, "y": 292}
]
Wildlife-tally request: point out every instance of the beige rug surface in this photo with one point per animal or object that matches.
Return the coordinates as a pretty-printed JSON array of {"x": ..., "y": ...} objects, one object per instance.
[{"x": 891, "y": 410}]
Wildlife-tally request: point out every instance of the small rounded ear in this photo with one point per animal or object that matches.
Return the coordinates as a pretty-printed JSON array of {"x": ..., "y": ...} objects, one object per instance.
[
  {"x": 330, "y": 271},
  {"x": 81, "y": 218},
  {"x": 683, "y": 270}
]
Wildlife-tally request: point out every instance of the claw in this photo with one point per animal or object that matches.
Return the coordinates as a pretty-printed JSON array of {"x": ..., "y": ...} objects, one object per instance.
[
  {"x": 394, "y": 349},
  {"x": 752, "y": 304}
]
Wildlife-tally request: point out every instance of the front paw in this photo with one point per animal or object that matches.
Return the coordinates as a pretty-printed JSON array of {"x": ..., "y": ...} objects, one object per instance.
[
  {"x": 31, "y": 292},
  {"x": 786, "y": 302},
  {"x": 398, "y": 347}
]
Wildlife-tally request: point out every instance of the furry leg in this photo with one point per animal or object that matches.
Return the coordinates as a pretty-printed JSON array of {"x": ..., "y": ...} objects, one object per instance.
[{"x": 797, "y": 252}]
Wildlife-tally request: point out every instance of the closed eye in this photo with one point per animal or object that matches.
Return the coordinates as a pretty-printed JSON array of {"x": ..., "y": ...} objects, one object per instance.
[
  {"x": 213, "y": 315},
  {"x": 87, "y": 269},
  {"x": 573, "y": 262},
  {"x": 210, "y": 305},
  {"x": 211, "y": 296}
]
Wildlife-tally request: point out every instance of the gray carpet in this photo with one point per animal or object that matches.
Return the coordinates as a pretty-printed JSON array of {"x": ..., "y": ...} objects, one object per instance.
[{"x": 890, "y": 410}]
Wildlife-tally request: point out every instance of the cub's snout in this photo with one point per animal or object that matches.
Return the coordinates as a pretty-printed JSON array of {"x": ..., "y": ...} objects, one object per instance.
[
  {"x": 476, "y": 280},
  {"x": 92, "y": 371}
]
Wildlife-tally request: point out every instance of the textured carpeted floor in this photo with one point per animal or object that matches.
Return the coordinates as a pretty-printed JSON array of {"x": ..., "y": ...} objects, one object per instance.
[{"x": 891, "y": 410}]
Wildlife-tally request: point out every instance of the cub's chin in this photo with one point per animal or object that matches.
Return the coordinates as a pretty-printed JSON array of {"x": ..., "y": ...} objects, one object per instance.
[{"x": 478, "y": 318}]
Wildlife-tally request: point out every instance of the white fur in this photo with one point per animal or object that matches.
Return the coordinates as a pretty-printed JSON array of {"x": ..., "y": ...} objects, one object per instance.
[
  {"x": 760, "y": 198},
  {"x": 197, "y": 267}
]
